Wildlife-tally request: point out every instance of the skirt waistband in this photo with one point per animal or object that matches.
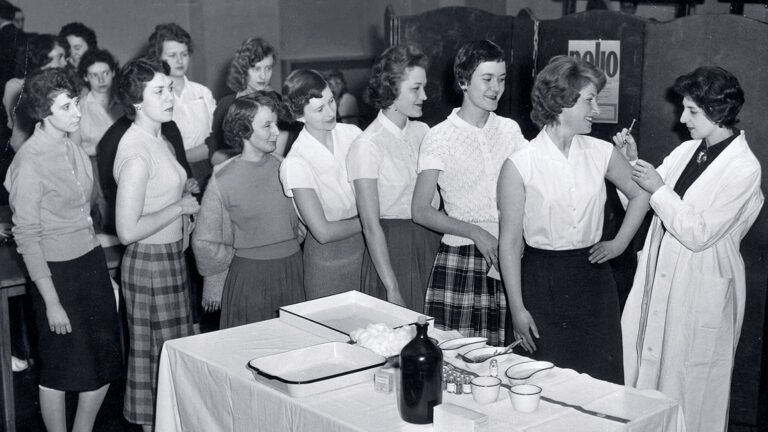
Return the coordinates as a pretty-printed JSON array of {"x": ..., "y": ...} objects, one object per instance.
[{"x": 557, "y": 253}]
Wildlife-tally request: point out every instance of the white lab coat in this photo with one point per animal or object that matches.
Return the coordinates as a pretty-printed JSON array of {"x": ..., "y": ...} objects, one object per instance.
[{"x": 682, "y": 320}]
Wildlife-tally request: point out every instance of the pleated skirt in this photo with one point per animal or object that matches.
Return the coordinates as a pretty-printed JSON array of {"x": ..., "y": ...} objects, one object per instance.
[
  {"x": 156, "y": 290},
  {"x": 412, "y": 251},
  {"x": 575, "y": 307},
  {"x": 89, "y": 356},
  {"x": 333, "y": 267},
  {"x": 460, "y": 295},
  {"x": 256, "y": 289}
]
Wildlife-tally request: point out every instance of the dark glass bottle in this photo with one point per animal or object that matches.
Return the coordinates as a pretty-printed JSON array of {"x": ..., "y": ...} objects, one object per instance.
[{"x": 421, "y": 367}]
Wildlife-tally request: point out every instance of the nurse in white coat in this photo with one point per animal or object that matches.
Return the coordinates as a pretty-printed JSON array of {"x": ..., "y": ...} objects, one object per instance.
[{"x": 683, "y": 317}]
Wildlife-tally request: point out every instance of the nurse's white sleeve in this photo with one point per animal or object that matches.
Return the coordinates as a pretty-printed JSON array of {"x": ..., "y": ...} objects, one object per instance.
[{"x": 698, "y": 230}]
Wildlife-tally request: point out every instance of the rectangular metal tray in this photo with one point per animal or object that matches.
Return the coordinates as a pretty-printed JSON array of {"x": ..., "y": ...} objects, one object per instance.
[
  {"x": 316, "y": 369},
  {"x": 334, "y": 317}
]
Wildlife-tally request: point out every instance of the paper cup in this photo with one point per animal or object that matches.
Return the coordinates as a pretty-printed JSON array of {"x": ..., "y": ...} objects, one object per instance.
[{"x": 525, "y": 397}]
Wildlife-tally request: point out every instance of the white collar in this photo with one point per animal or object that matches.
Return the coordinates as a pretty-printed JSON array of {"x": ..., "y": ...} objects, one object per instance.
[
  {"x": 459, "y": 122},
  {"x": 391, "y": 126}
]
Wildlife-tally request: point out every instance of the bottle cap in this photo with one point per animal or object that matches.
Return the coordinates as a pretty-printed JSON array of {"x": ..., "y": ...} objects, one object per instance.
[{"x": 422, "y": 320}]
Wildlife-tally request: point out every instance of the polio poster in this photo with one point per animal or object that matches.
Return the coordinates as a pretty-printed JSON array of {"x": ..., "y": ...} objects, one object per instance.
[{"x": 605, "y": 54}]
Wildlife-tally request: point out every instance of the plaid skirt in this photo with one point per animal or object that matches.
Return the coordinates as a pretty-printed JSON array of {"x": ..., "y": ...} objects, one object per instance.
[
  {"x": 155, "y": 286},
  {"x": 461, "y": 297}
]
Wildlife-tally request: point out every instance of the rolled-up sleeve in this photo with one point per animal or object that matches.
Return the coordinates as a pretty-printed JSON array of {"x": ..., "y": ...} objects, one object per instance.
[{"x": 25, "y": 196}]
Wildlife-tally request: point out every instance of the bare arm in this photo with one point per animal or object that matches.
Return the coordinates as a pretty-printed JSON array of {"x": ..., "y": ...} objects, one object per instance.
[
  {"x": 620, "y": 174},
  {"x": 198, "y": 153},
  {"x": 510, "y": 196},
  {"x": 132, "y": 226},
  {"x": 312, "y": 213},
  {"x": 426, "y": 215},
  {"x": 367, "y": 193}
]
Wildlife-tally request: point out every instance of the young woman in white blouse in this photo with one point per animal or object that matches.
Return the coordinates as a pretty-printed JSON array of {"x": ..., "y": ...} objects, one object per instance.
[
  {"x": 382, "y": 166},
  {"x": 314, "y": 174},
  {"x": 561, "y": 291},
  {"x": 463, "y": 155},
  {"x": 193, "y": 103}
]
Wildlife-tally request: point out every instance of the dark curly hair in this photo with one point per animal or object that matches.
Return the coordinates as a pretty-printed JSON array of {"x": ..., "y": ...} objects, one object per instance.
[
  {"x": 167, "y": 32},
  {"x": 301, "y": 86},
  {"x": 238, "y": 123},
  {"x": 469, "y": 57},
  {"x": 557, "y": 86},
  {"x": 80, "y": 30},
  {"x": 252, "y": 51},
  {"x": 132, "y": 80},
  {"x": 389, "y": 71},
  {"x": 714, "y": 90},
  {"x": 35, "y": 54},
  {"x": 40, "y": 90},
  {"x": 93, "y": 56}
]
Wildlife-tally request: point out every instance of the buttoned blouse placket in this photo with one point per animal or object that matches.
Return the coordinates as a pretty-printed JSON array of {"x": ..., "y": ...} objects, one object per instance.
[{"x": 68, "y": 157}]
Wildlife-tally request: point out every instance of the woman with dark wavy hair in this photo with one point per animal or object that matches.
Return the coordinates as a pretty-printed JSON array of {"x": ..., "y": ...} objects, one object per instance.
[
  {"x": 382, "y": 165},
  {"x": 44, "y": 51},
  {"x": 50, "y": 182},
  {"x": 683, "y": 317},
  {"x": 152, "y": 214},
  {"x": 250, "y": 71},
  {"x": 314, "y": 174},
  {"x": 194, "y": 105},
  {"x": 247, "y": 233},
  {"x": 562, "y": 294}
]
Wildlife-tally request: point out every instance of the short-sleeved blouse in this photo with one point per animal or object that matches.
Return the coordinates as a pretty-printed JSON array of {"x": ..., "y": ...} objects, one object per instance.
[
  {"x": 166, "y": 177},
  {"x": 193, "y": 113},
  {"x": 389, "y": 154},
  {"x": 469, "y": 159},
  {"x": 564, "y": 196},
  {"x": 311, "y": 165}
]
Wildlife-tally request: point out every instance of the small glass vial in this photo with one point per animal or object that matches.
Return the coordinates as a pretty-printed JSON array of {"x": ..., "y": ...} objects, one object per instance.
[
  {"x": 444, "y": 382},
  {"x": 494, "y": 368},
  {"x": 459, "y": 382},
  {"x": 384, "y": 380},
  {"x": 466, "y": 387},
  {"x": 451, "y": 385}
]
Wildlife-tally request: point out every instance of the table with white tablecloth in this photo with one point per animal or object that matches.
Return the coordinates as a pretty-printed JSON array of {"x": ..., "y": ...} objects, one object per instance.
[{"x": 204, "y": 385}]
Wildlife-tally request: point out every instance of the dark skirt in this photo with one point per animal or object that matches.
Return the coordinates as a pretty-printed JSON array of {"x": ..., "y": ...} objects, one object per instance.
[
  {"x": 156, "y": 290},
  {"x": 333, "y": 267},
  {"x": 90, "y": 356},
  {"x": 576, "y": 309},
  {"x": 461, "y": 297},
  {"x": 412, "y": 250},
  {"x": 255, "y": 289}
]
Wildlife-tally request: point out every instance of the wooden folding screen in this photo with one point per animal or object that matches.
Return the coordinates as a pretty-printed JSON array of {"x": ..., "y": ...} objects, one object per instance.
[{"x": 653, "y": 54}]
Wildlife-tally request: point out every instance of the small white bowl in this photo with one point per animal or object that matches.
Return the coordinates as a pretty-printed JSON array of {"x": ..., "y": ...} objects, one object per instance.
[
  {"x": 485, "y": 389},
  {"x": 484, "y": 351},
  {"x": 520, "y": 373},
  {"x": 461, "y": 345},
  {"x": 525, "y": 397}
]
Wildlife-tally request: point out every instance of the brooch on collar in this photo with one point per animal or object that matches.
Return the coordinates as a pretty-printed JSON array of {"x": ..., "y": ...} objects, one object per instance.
[{"x": 701, "y": 157}]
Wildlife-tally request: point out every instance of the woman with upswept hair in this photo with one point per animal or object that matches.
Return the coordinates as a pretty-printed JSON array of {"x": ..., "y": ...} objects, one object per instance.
[{"x": 382, "y": 166}]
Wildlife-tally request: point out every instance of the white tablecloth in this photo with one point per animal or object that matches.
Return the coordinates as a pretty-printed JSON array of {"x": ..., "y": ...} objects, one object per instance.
[{"x": 204, "y": 385}]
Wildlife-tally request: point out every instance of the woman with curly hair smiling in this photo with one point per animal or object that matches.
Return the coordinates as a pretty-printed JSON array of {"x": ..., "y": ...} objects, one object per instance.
[
  {"x": 50, "y": 182},
  {"x": 551, "y": 195},
  {"x": 250, "y": 71},
  {"x": 382, "y": 165},
  {"x": 247, "y": 230}
]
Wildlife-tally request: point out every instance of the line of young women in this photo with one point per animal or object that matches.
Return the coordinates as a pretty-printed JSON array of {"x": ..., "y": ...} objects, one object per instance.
[{"x": 370, "y": 203}]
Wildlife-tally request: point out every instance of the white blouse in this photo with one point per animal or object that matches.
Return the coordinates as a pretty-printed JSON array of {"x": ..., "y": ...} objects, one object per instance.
[
  {"x": 95, "y": 121},
  {"x": 469, "y": 160},
  {"x": 564, "y": 196},
  {"x": 311, "y": 165},
  {"x": 193, "y": 113},
  {"x": 388, "y": 154}
]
